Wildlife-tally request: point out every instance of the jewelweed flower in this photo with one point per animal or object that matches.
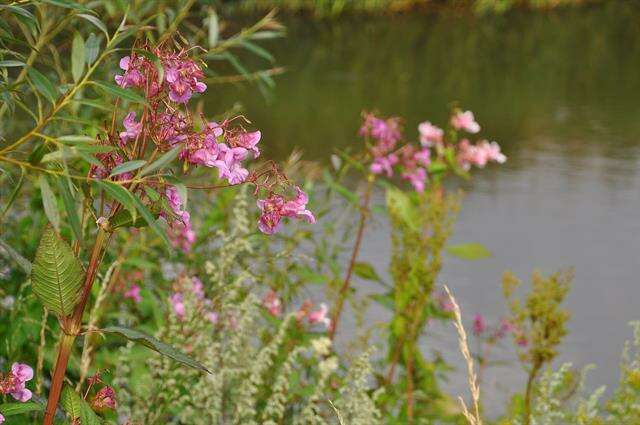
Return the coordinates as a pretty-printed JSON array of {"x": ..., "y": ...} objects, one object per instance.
[
  {"x": 14, "y": 382},
  {"x": 320, "y": 316},
  {"x": 133, "y": 74},
  {"x": 384, "y": 164},
  {"x": 275, "y": 208},
  {"x": 386, "y": 132},
  {"x": 105, "y": 399},
  {"x": 430, "y": 135},
  {"x": 465, "y": 121},
  {"x": 479, "y": 324},
  {"x": 417, "y": 178},
  {"x": 134, "y": 293},
  {"x": 182, "y": 76},
  {"x": 272, "y": 303},
  {"x": 132, "y": 129},
  {"x": 1, "y": 418}
]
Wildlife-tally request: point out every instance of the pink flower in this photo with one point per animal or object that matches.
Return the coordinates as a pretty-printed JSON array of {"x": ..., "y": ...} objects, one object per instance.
[
  {"x": 14, "y": 383},
  {"x": 492, "y": 150},
  {"x": 320, "y": 316},
  {"x": 275, "y": 207},
  {"x": 479, "y": 324},
  {"x": 248, "y": 141},
  {"x": 105, "y": 399},
  {"x": 197, "y": 287},
  {"x": 134, "y": 293},
  {"x": 386, "y": 132},
  {"x": 169, "y": 128},
  {"x": 430, "y": 135},
  {"x": 417, "y": 178},
  {"x": 465, "y": 121},
  {"x": 177, "y": 304},
  {"x": 384, "y": 164},
  {"x": 272, "y": 303},
  {"x": 133, "y": 76},
  {"x": 1, "y": 418},
  {"x": 132, "y": 129},
  {"x": 182, "y": 75},
  {"x": 478, "y": 155}
]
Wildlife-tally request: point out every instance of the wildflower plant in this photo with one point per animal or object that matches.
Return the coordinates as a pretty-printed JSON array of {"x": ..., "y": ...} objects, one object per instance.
[{"x": 130, "y": 173}]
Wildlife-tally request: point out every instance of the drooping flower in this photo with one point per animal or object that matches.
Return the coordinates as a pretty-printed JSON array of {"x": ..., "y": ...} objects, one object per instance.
[
  {"x": 133, "y": 74},
  {"x": 14, "y": 382},
  {"x": 479, "y": 324},
  {"x": 430, "y": 135},
  {"x": 272, "y": 303},
  {"x": 248, "y": 141},
  {"x": 134, "y": 293},
  {"x": 105, "y": 399},
  {"x": 465, "y": 121},
  {"x": 275, "y": 207},
  {"x": 320, "y": 316},
  {"x": 384, "y": 164},
  {"x": 183, "y": 75},
  {"x": 132, "y": 129}
]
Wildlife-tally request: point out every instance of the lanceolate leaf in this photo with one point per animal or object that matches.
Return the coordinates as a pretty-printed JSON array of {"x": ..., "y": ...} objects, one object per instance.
[
  {"x": 49, "y": 202},
  {"x": 120, "y": 92},
  {"x": 19, "y": 259},
  {"x": 56, "y": 274},
  {"x": 127, "y": 166},
  {"x": 165, "y": 159},
  {"x": 121, "y": 195},
  {"x": 77, "y": 407},
  {"x": 155, "y": 345},
  {"x": 92, "y": 48},
  {"x": 43, "y": 84},
  {"x": 64, "y": 185},
  {"x": 11, "y": 409},
  {"x": 95, "y": 21},
  {"x": 77, "y": 57}
]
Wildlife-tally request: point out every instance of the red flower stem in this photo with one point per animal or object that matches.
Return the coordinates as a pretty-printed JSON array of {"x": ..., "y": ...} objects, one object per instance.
[
  {"x": 344, "y": 290},
  {"x": 71, "y": 328}
]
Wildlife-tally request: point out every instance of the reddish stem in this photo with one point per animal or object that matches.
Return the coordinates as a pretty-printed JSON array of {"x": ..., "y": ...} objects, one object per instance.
[{"x": 344, "y": 289}]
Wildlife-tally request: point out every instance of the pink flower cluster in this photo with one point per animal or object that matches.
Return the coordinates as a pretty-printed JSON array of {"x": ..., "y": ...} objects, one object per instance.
[
  {"x": 105, "y": 399},
  {"x": 181, "y": 75},
  {"x": 196, "y": 287},
  {"x": 497, "y": 332},
  {"x": 14, "y": 382},
  {"x": 133, "y": 293},
  {"x": 413, "y": 160},
  {"x": 318, "y": 316},
  {"x": 275, "y": 207}
]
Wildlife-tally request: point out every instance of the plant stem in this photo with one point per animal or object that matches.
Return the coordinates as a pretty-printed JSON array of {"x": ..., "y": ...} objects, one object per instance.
[
  {"x": 72, "y": 327},
  {"x": 64, "y": 351},
  {"x": 344, "y": 289},
  {"x": 527, "y": 396}
]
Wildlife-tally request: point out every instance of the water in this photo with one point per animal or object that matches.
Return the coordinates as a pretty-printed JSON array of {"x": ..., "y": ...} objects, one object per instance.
[{"x": 558, "y": 90}]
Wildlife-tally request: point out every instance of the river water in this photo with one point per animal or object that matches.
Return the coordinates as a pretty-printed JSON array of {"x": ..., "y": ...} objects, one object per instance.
[{"x": 558, "y": 90}]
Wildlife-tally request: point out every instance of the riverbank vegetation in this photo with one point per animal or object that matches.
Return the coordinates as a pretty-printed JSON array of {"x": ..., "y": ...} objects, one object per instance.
[{"x": 158, "y": 266}]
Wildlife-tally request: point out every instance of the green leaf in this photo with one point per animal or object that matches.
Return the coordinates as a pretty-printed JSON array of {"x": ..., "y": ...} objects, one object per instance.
[
  {"x": 75, "y": 138},
  {"x": 10, "y": 63},
  {"x": 43, "y": 85},
  {"x": 20, "y": 11},
  {"x": 257, "y": 50},
  {"x": 120, "y": 92},
  {"x": 91, "y": 49},
  {"x": 146, "y": 214},
  {"x": 400, "y": 204},
  {"x": 213, "y": 27},
  {"x": 64, "y": 186},
  {"x": 154, "y": 344},
  {"x": 468, "y": 251},
  {"x": 12, "y": 409},
  {"x": 385, "y": 300},
  {"x": 121, "y": 195},
  {"x": 19, "y": 259},
  {"x": 56, "y": 274},
  {"x": 366, "y": 271},
  {"x": 123, "y": 219},
  {"x": 77, "y": 408},
  {"x": 164, "y": 159},
  {"x": 127, "y": 166},
  {"x": 77, "y": 57},
  {"x": 14, "y": 192},
  {"x": 49, "y": 202},
  {"x": 95, "y": 21},
  {"x": 68, "y": 4}
]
